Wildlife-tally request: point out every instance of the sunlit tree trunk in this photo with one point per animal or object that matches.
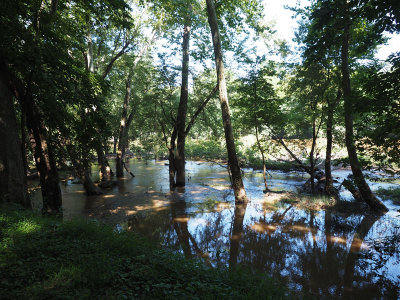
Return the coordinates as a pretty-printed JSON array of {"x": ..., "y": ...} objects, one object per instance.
[
  {"x": 359, "y": 179},
  {"x": 237, "y": 182},
  {"x": 182, "y": 109},
  {"x": 13, "y": 187}
]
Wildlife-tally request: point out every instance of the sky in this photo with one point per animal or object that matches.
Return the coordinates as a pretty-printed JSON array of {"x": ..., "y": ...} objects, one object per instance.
[{"x": 286, "y": 25}]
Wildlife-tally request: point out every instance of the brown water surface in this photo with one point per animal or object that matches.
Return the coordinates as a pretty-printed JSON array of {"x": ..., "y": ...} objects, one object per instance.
[{"x": 343, "y": 251}]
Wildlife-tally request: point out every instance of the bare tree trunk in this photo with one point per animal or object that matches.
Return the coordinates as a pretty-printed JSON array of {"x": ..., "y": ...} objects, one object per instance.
[
  {"x": 13, "y": 187},
  {"x": 115, "y": 145},
  {"x": 171, "y": 158},
  {"x": 263, "y": 160},
  {"x": 24, "y": 141},
  {"x": 329, "y": 142},
  {"x": 312, "y": 160},
  {"x": 183, "y": 102},
  {"x": 44, "y": 158},
  {"x": 105, "y": 170},
  {"x": 359, "y": 179},
  {"x": 122, "y": 128},
  {"x": 238, "y": 187}
]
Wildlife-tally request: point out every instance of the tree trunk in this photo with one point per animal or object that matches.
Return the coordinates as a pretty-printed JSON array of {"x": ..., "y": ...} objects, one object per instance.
[
  {"x": 312, "y": 160},
  {"x": 238, "y": 187},
  {"x": 24, "y": 142},
  {"x": 263, "y": 161},
  {"x": 44, "y": 158},
  {"x": 171, "y": 158},
  {"x": 329, "y": 142},
  {"x": 122, "y": 128},
  {"x": 359, "y": 179},
  {"x": 105, "y": 170},
  {"x": 81, "y": 170},
  {"x": 183, "y": 102},
  {"x": 13, "y": 187},
  {"x": 115, "y": 145}
]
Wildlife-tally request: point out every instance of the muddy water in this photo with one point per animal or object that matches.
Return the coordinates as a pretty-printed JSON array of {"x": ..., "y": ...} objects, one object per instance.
[{"x": 332, "y": 253}]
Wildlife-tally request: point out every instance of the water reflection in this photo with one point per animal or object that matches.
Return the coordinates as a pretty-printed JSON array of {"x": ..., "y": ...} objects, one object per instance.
[{"x": 335, "y": 253}]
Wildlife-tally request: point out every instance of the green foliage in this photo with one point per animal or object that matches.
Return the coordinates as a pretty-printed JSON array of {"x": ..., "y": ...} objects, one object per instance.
[
  {"x": 390, "y": 193},
  {"x": 47, "y": 258},
  {"x": 205, "y": 149}
]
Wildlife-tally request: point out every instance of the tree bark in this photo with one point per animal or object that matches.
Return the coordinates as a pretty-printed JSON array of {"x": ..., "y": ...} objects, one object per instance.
[
  {"x": 171, "y": 159},
  {"x": 359, "y": 179},
  {"x": 237, "y": 182},
  {"x": 312, "y": 160},
  {"x": 183, "y": 102},
  {"x": 329, "y": 142},
  {"x": 13, "y": 187},
  {"x": 44, "y": 158},
  {"x": 105, "y": 170},
  {"x": 122, "y": 128},
  {"x": 263, "y": 160}
]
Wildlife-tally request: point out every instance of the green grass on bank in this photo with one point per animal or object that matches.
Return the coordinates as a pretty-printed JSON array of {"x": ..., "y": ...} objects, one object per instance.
[{"x": 45, "y": 258}]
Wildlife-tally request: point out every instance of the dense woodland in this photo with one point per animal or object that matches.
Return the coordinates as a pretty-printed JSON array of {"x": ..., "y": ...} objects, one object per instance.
[{"x": 80, "y": 80}]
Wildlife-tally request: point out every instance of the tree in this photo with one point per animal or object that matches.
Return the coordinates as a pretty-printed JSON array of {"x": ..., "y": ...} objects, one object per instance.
[
  {"x": 237, "y": 182},
  {"x": 13, "y": 187},
  {"x": 339, "y": 21}
]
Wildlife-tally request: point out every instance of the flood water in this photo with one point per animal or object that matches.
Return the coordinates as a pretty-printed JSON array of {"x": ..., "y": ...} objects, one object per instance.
[{"x": 340, "y": 252}]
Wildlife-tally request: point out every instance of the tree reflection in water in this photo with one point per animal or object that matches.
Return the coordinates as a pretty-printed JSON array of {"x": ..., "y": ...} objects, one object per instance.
[{"x": 316, "y": 253}]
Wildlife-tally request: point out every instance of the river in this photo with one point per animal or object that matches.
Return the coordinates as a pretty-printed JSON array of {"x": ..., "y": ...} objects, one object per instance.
[{"x": 342, "y": 251}]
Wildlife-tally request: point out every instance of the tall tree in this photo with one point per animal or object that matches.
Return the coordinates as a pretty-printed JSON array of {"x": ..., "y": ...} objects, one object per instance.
[
  {"x": 237, "y": 182},
  {"x": 13, "y": 187},
  {"x": 339, "y": 24}
]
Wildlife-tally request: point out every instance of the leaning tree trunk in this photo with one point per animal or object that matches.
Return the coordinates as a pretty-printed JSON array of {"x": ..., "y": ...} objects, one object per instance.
[
  {"x": 359, "y": 179},
  {"x": 13, "y": 187},
  {"x": 237, "y": 182},
  {"x": 122, "y": 128},
  {"x": 312, "y": 160},
  {"x": 183, "y": 102}
]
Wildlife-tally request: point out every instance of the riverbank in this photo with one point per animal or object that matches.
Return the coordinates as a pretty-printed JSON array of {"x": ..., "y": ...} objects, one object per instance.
[{"x": 46, "y": 258}]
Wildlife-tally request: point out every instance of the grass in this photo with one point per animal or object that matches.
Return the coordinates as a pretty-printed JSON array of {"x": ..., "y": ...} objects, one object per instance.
[
  {"x": 390, "y": 193},
  {"x": 310, "y": 202},
  {"x": 46, "y": 258}
]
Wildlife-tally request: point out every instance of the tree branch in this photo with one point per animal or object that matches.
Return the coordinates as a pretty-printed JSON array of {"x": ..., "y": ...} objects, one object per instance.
[{"x": 200, "y": 109}]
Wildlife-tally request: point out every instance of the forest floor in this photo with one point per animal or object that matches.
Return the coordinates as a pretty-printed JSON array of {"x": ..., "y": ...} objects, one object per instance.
[{"x": 47, "y": 258}]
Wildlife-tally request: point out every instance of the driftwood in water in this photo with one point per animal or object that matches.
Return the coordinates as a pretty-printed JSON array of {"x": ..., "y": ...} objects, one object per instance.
[
  {"x": 349, "y": 185},
  {"x": 127, "y": 169}
]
